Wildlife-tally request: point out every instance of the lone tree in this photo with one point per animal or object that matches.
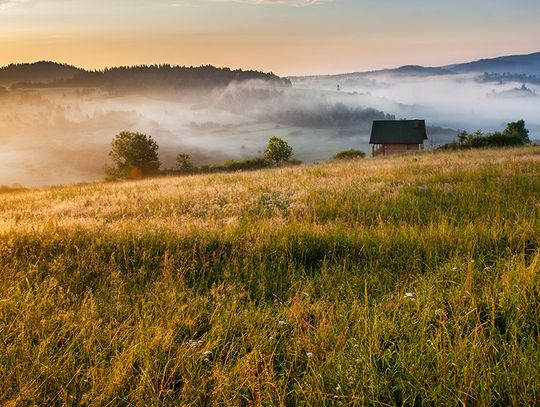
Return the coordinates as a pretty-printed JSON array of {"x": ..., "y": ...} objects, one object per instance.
[
  {"x": 277, "y": 150},
  {"x": 134, "y": 155},
  {"x": 184, "y": 163}
]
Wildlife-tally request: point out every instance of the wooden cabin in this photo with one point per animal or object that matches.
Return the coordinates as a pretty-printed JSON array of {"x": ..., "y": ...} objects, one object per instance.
[{"x": 397, "y": 136}]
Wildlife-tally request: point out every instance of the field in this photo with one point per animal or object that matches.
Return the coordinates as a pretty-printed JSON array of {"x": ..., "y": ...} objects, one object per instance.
[{"x": 400, "y": 281}]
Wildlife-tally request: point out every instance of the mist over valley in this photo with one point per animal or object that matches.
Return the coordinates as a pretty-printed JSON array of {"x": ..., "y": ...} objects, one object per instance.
[{"x": 57, "y": 121}]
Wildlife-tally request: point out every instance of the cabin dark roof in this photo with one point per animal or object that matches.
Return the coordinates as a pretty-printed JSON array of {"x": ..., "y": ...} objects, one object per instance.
[{"x": 398, "y": 132}]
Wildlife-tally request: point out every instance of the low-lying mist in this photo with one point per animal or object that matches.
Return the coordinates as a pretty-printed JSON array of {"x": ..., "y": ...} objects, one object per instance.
[{"x": 63, "y": 135}]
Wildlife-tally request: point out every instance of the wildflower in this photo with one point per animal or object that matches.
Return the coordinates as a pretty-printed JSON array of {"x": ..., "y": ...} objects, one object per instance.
[
  {"x": 409, "y": 296},
  {"x": 338, "y": 387},
  {"x": 282, "y": 323},
  {"x": 194, "y": 344},
  {"x": 208, "y": 354},
  {"x": 310, "y": 355}
]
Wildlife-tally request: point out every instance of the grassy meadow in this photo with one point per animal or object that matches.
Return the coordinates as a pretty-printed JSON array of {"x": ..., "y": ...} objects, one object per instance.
[{"x": 411, "y": 280}]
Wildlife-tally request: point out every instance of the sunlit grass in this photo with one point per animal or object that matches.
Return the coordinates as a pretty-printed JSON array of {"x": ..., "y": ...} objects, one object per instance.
[{"x": 408, "y": 280}]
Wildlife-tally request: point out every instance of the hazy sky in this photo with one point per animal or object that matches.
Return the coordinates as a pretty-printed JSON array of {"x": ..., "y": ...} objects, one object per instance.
[{"x": 283, "y": 36}]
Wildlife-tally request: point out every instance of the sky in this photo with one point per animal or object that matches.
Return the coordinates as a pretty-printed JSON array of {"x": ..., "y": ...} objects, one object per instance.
[{"x": 287, "y": 37}]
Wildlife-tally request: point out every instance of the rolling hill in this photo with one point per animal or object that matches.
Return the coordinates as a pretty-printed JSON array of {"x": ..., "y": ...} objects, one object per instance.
[
  {"x": 38, "y": 72},
  {"x": 514, "y": 65},
  {"x": 52, "y": 74}
]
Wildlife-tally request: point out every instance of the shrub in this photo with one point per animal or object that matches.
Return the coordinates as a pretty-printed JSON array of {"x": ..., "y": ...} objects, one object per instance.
[
  {"x": 248, "y": 164},
  {"x": 515, "y": 134},
  {"x": 349, "y": 154}
]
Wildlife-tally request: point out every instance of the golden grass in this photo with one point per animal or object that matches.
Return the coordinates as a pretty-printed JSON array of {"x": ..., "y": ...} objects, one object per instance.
[{"x": 111, "y": 293}]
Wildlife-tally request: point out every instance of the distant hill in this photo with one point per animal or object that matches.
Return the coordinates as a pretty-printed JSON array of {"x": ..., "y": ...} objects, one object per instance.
[
  {"x": 416, "y": 70},
  {"x": 41, "y": 72},
  {"x": 147, "y": 77},
  {"x": 514, "y": 64}
]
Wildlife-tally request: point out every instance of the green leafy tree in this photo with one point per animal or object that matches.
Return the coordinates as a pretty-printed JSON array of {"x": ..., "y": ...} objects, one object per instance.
[
  {"x": 134, "y": 155},
  {"x": 277, "y": 150},
  {"x": 184, "y": 163},
  {"x": 517, "y": 130}
]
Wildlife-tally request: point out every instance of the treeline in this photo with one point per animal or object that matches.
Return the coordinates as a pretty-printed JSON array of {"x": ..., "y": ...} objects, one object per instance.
[
  {"x": 515, "y": 134},
  {"x": 134, "y": 155},
  {"x": 330, "y": 116},
  {"x": 158, "y": 77},
  {"x": 248, "y": 164},
  {"x": 502, "y": 78},
  {"x": 297, "y": 108}
]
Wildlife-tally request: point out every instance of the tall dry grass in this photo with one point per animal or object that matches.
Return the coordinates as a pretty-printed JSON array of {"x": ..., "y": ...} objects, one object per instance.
[{"x": 404, "y": 281}]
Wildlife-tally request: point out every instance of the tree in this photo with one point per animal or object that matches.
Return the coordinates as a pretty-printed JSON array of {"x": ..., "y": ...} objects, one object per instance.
[
  {"x": 134, "y": 155},
  {"x": 184, "y": 163},
  {"x": 517, "y": 130},
  {"x": 277, "y": 150}
]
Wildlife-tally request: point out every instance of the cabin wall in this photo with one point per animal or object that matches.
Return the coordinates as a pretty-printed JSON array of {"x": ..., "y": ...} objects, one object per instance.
[{"x": 388, "y": 149}]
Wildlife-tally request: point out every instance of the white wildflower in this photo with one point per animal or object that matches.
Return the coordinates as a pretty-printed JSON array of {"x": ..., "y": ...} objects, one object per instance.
[
  {"x": 282, "y": 323},
  {"x": 409, "y": 296},
  {"x": 310, "y": 355}
]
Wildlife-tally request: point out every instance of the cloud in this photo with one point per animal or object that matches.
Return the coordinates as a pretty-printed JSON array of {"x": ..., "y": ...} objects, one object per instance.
[
  {"x": 9, "y": 3},
  {"x": 283, "y": 2}
]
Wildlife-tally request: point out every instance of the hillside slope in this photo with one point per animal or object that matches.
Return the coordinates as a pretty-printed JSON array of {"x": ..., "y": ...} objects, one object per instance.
[
  {"x": 42, "y": 72},
  {"x": 514, "y": 64},
  {"x": 52, "y": 74},
  {"x": 410, "y": 280}
]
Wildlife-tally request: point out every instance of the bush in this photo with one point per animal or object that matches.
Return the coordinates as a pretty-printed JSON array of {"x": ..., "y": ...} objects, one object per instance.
[
  {"x": 349, "y": 154},
  {"x": 515, "y": 134},
  {"x": 243, "y": 165}
]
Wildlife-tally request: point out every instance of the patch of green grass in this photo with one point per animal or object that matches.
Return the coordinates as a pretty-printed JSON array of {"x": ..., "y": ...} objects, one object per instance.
[{"x": 171, "y": 291}]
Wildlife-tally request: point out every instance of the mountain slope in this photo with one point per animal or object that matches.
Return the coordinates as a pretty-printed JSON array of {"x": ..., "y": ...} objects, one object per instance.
[{"x": 515, "y": 64}]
